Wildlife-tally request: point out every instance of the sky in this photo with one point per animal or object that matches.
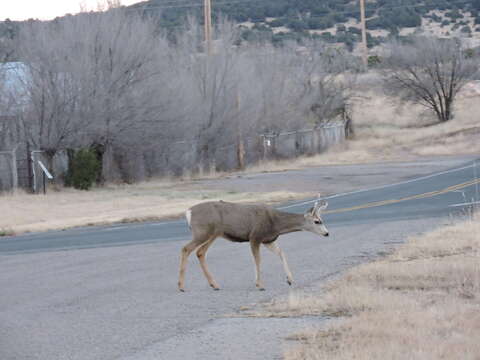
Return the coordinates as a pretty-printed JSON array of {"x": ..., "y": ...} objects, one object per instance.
[{"x": 46, "y": 9}]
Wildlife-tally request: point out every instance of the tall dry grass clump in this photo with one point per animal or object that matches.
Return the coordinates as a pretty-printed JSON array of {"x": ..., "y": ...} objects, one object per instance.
[{"x": 420, "y": 302}]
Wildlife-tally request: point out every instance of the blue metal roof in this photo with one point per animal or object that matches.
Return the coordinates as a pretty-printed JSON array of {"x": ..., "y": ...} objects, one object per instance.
[{"x": 12, "y": 76}]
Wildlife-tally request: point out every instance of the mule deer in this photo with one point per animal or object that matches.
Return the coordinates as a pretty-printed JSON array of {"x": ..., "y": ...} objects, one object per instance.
[{"x": 257, "y": 224}]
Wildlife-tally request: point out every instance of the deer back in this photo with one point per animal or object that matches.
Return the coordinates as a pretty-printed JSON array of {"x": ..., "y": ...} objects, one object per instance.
[{"x": 236, "y": 222}]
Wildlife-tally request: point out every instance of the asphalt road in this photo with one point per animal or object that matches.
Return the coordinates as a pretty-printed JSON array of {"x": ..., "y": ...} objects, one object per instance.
[
  {"x": 100, "y": 299},
  {"x": 447, "y": 192}
]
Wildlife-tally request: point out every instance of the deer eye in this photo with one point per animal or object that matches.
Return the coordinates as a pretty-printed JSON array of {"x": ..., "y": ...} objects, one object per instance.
[{"x": 317, "y": 221}]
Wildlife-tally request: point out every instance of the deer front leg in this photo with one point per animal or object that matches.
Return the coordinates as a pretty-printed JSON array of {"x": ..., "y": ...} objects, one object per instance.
[
  {"x": 276, "y": 250},
  {"x": 201, "y": 254},
  {"x": 186, "y": 251},
  {"x": 255, "y": 246}
]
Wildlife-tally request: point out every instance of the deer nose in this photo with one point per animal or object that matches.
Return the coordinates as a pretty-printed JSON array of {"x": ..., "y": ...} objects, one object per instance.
[{"x": 326, "y": 234}]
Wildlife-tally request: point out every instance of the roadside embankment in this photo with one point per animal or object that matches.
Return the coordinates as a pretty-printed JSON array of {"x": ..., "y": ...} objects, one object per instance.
[{"x": 151, "y": 201}]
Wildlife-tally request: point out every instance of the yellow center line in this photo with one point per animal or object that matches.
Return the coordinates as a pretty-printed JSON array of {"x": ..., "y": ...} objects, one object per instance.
[{"x": 413, "y": 197}]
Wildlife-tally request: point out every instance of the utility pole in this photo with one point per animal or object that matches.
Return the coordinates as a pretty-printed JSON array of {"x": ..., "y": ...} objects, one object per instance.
[
  {"x": 364, "y": 34},
  {"x": 207, "y": 15},
  {"x": 240, "y": 141}
]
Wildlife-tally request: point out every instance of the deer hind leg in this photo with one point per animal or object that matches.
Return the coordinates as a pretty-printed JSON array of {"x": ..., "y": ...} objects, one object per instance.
[
  {"x": 273, "y": 247},
  {"x": 186, "y": 251},
  {"x": 255, "y": 246},
  {"x": 201, "y": 254}
]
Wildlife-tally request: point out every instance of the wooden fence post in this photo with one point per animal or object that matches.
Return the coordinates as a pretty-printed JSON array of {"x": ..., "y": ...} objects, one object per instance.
[
  {"x": 268, "y": 146},
  {"x": 14, "y": 169},
  {"x": 29, "y": 168},
  {"x": 241, "y": 153}
]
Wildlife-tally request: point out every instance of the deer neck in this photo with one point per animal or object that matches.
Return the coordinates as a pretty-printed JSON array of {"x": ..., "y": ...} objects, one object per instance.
[{"x": 287, "y": 222}]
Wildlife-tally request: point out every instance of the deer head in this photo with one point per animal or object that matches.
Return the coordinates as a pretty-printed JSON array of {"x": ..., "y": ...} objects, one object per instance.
[{"x": 313, "y": 219}]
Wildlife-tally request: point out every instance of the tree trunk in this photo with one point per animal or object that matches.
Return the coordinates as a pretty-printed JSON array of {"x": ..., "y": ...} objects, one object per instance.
[
  {"x": 448, "y": 110},
  {"x": 109, "y": 170},
  {"x": 241, "y": 153}
]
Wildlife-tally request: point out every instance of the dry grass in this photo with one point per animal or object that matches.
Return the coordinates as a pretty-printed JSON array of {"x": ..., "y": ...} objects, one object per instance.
[
  {"x": 346, "y": 153},
  {"x": 401, "y": 129},
  {"x": 420, "y": 302},
  {"x": 149, "y": 201},
  {"x": 389, "y": 131}
]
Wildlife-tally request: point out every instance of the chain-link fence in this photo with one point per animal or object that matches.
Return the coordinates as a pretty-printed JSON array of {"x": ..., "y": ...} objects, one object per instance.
[
  {"x": 20, "y": 168},
  {"x": 183, "y": 157}
]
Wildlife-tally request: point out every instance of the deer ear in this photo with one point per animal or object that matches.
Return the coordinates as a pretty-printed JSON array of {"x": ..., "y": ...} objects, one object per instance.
[{"x": 310, "y": 211}]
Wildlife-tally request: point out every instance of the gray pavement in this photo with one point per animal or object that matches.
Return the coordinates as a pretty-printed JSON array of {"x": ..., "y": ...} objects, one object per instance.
[
  {"x": 340, "y": 180},
  {"x": 97, "y": 298}
]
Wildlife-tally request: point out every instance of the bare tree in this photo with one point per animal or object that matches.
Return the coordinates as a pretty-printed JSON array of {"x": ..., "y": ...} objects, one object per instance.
[
  {"x": 326, "y": 82},
  {"x": 117, "y": 68},
  {"x": 210, "y": 86},
  {"x": 148, "y": 104},
  {"x": 93, "y": 79},
  {"x": 48, "y": 116},
  {"x": 429, "y": 72}
]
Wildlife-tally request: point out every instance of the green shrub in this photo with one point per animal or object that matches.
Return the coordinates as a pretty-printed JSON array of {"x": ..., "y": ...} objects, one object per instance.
[
  {"x": 277, "y": 22},
  {"x": 354, "y": 30},
  {"x": 469, "y": 53},
  {"x": 83, "y": 169},
  {"x": 374, "y": 60}
]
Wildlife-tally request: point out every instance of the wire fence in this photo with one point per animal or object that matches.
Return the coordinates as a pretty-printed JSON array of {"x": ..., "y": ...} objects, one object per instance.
[
  {"x": 186, "y": 157},
  {"x": 19, "y": 166}
]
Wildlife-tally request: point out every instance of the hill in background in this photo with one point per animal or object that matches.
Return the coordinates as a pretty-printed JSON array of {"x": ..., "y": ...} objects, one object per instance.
[{"x": 334, "y": 21}]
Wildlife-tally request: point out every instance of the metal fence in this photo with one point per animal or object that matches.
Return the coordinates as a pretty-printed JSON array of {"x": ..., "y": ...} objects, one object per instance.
[
  {"x": 183, "y": 157},
  {"x": 19, "y": 166}
]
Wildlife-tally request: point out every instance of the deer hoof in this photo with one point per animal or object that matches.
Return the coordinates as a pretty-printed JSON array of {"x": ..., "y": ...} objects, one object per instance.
[
  {"x": 289, "y": 281},
  {"x": 181, "y": 290},
  {"x": 260, "y": 288},
  {"x": 215, "y": 287}
]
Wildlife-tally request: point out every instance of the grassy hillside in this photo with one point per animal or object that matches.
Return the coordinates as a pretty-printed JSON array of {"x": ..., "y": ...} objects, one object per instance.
[{"x": 333, "y": 20}]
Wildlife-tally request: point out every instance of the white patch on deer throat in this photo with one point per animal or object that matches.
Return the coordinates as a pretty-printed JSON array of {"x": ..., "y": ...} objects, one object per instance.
[
  {"x": 188, "y": 215},
  {"x": 324, "y": 229}
]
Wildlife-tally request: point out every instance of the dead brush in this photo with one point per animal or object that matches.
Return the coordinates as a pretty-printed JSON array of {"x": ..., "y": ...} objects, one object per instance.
[{"x": 420, "y": 302}]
